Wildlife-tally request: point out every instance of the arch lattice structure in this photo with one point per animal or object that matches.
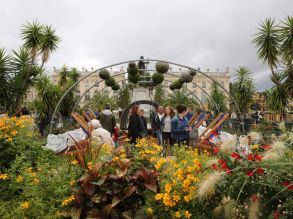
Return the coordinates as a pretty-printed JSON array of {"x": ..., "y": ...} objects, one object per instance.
[{"x": 146, "y": 60}]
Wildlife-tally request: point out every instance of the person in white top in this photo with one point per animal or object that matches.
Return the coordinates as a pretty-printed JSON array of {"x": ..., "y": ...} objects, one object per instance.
[{"x": 169, "y": 113}]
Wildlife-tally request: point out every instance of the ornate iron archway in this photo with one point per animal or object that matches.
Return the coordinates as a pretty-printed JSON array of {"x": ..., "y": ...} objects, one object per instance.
[{"x": 147, "y": 60}]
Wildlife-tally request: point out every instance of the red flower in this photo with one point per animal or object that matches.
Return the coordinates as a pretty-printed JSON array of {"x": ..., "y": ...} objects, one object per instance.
[
  {"x": 250, "y": 157},
  {"x": 276, "y": 214},
  {"x": 254, "y": 198},
  {"x": 236, "y": 156},
  {"x": 266, "y": 146},
  {"x": 216, "y": 150},
  {"x": 228, "y": 171},
  {"x": 249, "y": 173},
  {"x": 257, "y": 157},
  {"x": 215, "y": 167},
  {"x": 260, "y": 170},
  {"x": 220, "y": 161},
  {"x": 287, "y": 184}
]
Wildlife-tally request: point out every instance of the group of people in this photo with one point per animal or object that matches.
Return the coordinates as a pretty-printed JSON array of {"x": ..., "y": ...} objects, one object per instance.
[{"x": 168, "y": 127}]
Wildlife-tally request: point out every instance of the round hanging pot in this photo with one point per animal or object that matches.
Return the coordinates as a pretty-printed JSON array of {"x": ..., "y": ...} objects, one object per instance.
[
  {"x": 104, "y": 74},
  {"x": 177, "y": 84},
  {"x": 162, "y": 67},
  {"x": 192, "y": 72},
  {"x": 134, "y": 78},
  {"x": 116, "y": 86},
  {"x": 132, "y": 68},
  {"x": 110, "y": 82},
  {"x": 157, "y": 78},
  {"x": 185, "y": 78}
]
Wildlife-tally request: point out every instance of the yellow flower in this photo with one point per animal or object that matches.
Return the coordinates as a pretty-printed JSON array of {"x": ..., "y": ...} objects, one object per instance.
[
  {"x": 115, "y": 158},
  {"x": 150, "y": 211},
  {"x": 14, "y": 132},
  {"x": 74, "y": 162},
  {"x": 4, "y": 176},
  {"x": 168, "y": 187},
  {"x": 187, "y": 198},
  {"x": 36, "y": 181},
  {"x": 177, "y": 214},
  {"x": 187, "y": 214},
  {"x": 72, "y": 182},
  {"x": 176, "y": 198},
  {"x": 127, "y": 140},
  {"x": 29, "y": 170},
  {"x": 25, "y": 205},
  {"x": 90, "y": 165},
  {"x": 9, "y": 139},
  {"x": 158, "y": 196},
  {"x": 19, "y": 179},
  {"x": 255, "y": 146}
]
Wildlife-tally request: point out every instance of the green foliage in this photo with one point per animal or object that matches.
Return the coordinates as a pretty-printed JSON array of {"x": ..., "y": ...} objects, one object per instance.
[
  {"x": 218, "y": 97},
  {"x": 275, "y": 45},
  {"x": 181, "y": 97},
  {"x": 160, "y": 94},
  {"x": 22, "y": 67},
  {"x": 123, "y": 98},
  {"x": 100, "y": 100},
  {"x": 48, "y": 96},
  {"x": 157, "y": 78},
  {"x": 243, "y": 88}
]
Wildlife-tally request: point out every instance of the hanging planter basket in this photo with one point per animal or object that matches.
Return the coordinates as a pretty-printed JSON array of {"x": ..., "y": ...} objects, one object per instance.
[
  {"x": 157, "y": 78},
  {"x": 162, "y": 67},
  {"x": 115, "y": 87},
  {"x": 110, "y": 82},
  {"x": 185, "y": 78},
  {"x": 177, "y": 84},
  {"x": 132, "y": 68},
  {"x": 192, "y": 72},
  {"x": 104, "y": 74},
  {"x": 134, "y": 78}
]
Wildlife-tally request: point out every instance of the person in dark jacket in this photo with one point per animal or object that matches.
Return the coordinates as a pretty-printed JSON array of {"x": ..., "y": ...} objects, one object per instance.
[
  {"x": 179, "y": 126},
  {"x": 134, "y": 125},
  {"x": 158, "y": 123},
  {"x": 143, "y": 124},
  {"x": 107, "y": 119}
]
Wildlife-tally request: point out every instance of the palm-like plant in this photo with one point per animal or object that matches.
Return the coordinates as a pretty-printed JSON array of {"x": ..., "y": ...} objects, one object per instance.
[
  {"x": 32, "y": 34},
  {"x": 23, "y": 76},
  {"x": 218, "y": 97},
  {"x": 267, "y": 41},
  {"x": 276, "y": 98},
  {"x": 181, "y": 96},
  {"x": 48, "y": 43},
  {"x": 4, "y": 76},
  {"x": 243, "y": 88}
]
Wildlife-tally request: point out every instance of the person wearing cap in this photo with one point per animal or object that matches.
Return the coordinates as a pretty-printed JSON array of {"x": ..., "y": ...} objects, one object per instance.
[{"x": 107, "y": 119}]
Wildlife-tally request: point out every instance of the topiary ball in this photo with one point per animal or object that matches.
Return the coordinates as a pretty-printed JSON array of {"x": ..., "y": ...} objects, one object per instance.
[
  {"x": 110, "y": 82},
  {"x": 162, "y": 67},
  {"x": 116, "y": 86},
  {"x": 172, "y": 87},
  {"x": 157, "y": 78},
  {"x": 132, "y": 68},
  {"x": 192, "y": 72},
  {"x": 177, "y": 84},
  {"x": 134, "y": 78},
  {"x": 185, "y": 78},
  {"x": 104, "y": 74}
]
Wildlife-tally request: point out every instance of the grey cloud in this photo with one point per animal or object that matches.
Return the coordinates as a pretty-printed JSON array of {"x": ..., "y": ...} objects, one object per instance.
[{"x": 206, "y": 33}]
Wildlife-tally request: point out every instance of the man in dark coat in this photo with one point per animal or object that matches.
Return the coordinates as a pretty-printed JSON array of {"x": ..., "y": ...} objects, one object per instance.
[{"x": 107, "y": 119}]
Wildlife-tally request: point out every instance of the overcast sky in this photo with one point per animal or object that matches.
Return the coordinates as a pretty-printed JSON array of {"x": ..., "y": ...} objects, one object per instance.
[{"x": 200, "y": 33}]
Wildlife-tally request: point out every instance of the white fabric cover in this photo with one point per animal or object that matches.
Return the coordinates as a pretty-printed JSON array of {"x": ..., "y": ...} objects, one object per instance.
[
  {"x": 58, "y": 143},
  {"x": 104, "y": 136}
]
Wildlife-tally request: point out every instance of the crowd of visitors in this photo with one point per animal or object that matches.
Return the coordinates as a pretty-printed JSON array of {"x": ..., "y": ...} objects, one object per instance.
[{"x": 168, "y": 127}]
